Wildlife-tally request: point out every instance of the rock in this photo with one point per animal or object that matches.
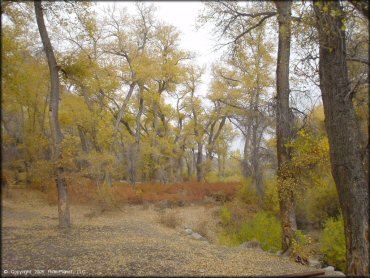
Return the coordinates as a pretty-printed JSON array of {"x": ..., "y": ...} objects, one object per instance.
[
  {"x": 188, "y": 231},
  {"x": 196, "y": 236},
  {"x": 314, "y": 263},
  {"x": 338, "y": 273},
  {"x": 328, "y": 268}
]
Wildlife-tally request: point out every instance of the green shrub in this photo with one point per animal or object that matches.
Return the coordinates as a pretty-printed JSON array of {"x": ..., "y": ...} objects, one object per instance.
[
  {"x": 247, "y": 194},
  {"x": 318, "y": 203},
  {"x": 264, "y": 227},
  {"x": 225, "y": 216},
  {"x": 333, "y": 243},
  {"x": 301, "y": 246},
  {"x": 212, "y": 176},
  {"x": 271, "y": 197}
]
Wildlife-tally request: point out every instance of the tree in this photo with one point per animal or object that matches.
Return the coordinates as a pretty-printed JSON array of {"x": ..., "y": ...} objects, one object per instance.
[
  {"x": 193, "y": 78},
  {"x": 56, "y": 133},
  {"x": 343, "y": 133},
  {"x": 242, "y": 86},
  {"x": 284, "y": 127},
  {"x": 234, "y": 21}
]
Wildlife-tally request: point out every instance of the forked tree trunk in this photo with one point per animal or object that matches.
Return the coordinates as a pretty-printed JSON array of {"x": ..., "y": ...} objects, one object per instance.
[
  {"x": 344, "y": 137},
  {"x": 56, "y": 134},
  {"x": 284, "y": 126}
]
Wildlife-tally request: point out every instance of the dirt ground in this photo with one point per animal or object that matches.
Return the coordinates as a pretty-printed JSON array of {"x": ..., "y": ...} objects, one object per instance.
[{"x": 125, "y": 242}]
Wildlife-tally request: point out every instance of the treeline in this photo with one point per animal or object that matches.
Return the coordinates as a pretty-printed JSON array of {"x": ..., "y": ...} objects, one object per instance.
[{"x": 93, "y": 94}]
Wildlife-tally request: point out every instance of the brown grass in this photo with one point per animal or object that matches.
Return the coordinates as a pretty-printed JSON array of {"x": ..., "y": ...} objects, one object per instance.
[{"x": 168, "y": 219}]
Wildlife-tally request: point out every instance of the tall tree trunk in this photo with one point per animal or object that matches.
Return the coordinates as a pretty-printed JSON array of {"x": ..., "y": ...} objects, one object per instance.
[
  {"x": 219, "y": 164},
  {"x": 121, "y": 112},
  {"x": 344, "y": 135},
  {"x": 199, "y": 165},
  {"x": 82, "y": 135},
  {"x": 245, "y": 161},
  {"x": 284, "y": 128},
  {"x": 189, "y": 167},
  {"x": 56, "y": 133},
  {"x": 257, "y": 173},
  {"x": 135, "y": 149}
]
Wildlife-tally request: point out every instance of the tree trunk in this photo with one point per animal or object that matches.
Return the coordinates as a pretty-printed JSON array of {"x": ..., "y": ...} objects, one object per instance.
[
  {"x": 189, "y": 167},
  {"x": 219, "y": 165},
  {"x": 179, "y": 167},
  {"x": 199, "y": 162},
  {"x": 257, "y": 173},
  {"x": 284, "y": 126},
  {"x": 82, "y": 135},
  {"x": 121, "y": 112},
  {"x": 56, "y": 134},
  {"x": 343, "y": 133},
  {"x": 135, "y": 149}
]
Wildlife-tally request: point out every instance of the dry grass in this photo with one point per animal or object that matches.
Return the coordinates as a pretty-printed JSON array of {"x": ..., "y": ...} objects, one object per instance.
[{"x": 168, "y": 219}]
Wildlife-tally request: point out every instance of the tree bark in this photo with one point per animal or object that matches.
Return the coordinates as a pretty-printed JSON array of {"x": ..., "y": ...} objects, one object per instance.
[
  {"x": 284, "y": 128},
  {"x": 344, "y": 137},
  {"x": 246, "y": 167},
  {"x": 135, "y": 148},
  {"x": 257, "y": 172},
  {"x": 56, "y": 134},
  {"x": 82, "y": 136},
  {"x": 198, "y": 139},
  {"x": 121, "y": 112},
  {"x": 213, "y": 137},
  {"x": 199, "y": 165}
]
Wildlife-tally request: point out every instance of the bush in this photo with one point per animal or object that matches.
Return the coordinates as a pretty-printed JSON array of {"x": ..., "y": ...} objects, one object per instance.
[
  {"x": 333, "y": 243},
  {"x": 168, "y": 219},
  {"x": 271, "y": 197},
  {"x": 42, "y": 175},
  {"x": 324, "y": 202},
  {"x": 247, "y": 194},
  {"x": 301, "y": 250},
  {"x": 106, "y": 197},
  {"x": 264, "y": 228},
  {"x": 225, "y": 216}
]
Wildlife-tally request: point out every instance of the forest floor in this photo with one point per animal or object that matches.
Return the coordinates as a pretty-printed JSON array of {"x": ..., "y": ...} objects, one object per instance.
[{"x": 127, "y": 241}]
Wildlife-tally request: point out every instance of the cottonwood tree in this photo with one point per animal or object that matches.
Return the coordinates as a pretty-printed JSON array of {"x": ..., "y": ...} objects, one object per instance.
[
  {"x": 242, "y": 85},
  {"x": 196, "y": 113},
  {"x": 343, "y": 133},
  {"x": 56, "y": 134},
  {"x": 284, "y": 126},
  {"x": 234, "y": 21}
]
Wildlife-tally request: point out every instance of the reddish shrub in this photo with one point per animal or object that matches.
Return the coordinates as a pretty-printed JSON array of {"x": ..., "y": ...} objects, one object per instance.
[{"x": 83, "y": 190}]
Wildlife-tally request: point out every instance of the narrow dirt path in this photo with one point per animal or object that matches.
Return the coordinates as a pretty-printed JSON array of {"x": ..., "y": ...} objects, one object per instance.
[{"x": 126, "y": 242}]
